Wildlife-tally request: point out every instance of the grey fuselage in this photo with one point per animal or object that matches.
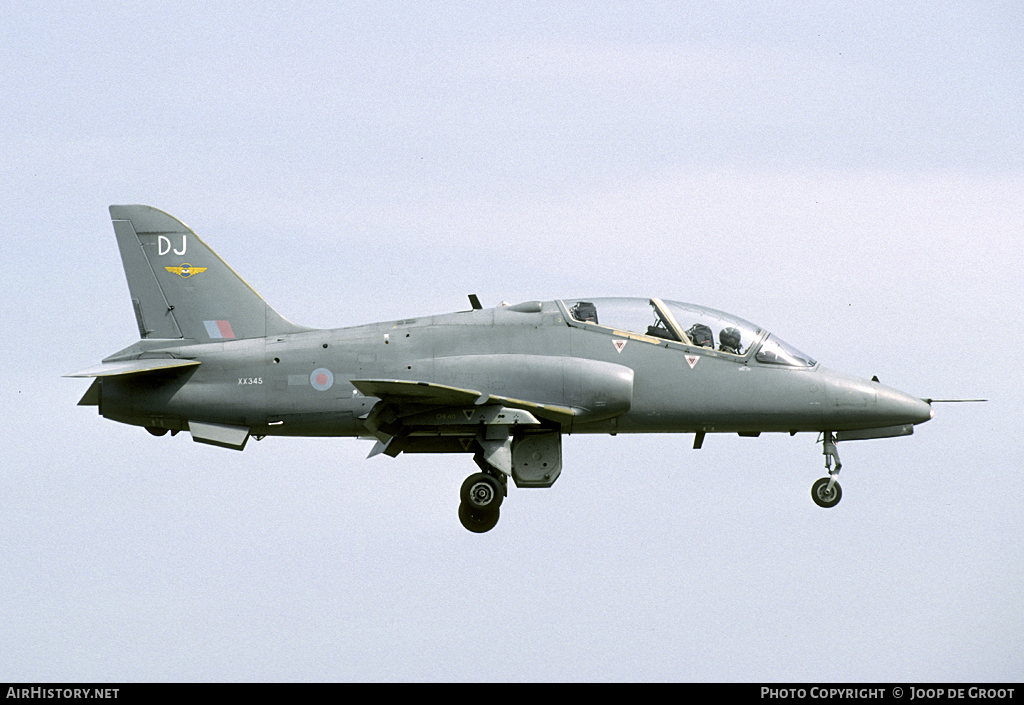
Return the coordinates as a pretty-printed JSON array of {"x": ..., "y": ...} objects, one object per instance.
[{"x": 614, "y": 381}]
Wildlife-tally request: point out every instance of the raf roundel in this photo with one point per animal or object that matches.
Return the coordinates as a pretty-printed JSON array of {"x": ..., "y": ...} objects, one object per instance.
[{"x": 322, "y": 379}]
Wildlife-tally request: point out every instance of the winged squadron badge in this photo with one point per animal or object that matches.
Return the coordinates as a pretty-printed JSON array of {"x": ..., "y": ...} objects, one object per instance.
[{"x": 186, "y": 270}]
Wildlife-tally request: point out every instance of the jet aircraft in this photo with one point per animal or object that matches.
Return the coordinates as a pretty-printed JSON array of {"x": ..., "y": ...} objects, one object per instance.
[{"x": 501, "y": 384}]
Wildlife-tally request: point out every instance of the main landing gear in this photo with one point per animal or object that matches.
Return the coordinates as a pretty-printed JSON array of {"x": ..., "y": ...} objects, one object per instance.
[
  {"x": 481, "y": 494},
  {"x": 826, "y": 492}
]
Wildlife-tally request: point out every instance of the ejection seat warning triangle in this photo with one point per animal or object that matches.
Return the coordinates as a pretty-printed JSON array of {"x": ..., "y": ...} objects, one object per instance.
[
  {"x": 692, "y": 360},
  {"x": 619, "y": 344}
]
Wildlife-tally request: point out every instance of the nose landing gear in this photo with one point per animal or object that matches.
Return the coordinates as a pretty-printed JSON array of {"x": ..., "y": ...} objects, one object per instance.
[
  {"x": 826, "y": 491},
  {"x": 824, "y": 495}
]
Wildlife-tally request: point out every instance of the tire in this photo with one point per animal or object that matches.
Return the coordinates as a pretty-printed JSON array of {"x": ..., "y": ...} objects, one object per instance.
[
  {"x": 481, "y": 493},
  {"x": 822, "y": 497},
  {"x": 478, "y": 523}
]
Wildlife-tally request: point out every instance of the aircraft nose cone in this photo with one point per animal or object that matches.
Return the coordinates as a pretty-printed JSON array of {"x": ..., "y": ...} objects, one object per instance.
[
  {"x": 903, "y": 408},
  {"x": 858, "y": 403}
]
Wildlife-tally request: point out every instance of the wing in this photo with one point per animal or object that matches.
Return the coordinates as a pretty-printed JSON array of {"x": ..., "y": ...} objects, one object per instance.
[
  {"x": 426, "y": 417},
  {"x": 420, "y": 396}
]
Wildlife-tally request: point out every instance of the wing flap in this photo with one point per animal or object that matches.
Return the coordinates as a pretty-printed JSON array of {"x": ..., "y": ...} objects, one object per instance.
[{"x": 553, "y": 412}]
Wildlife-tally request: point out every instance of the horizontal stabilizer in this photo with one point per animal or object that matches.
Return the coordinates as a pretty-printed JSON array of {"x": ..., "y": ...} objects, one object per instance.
[{"x": 131, "y": 367}]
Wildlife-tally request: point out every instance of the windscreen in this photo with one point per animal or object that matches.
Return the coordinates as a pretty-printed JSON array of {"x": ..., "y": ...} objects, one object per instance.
[{"x": 775, "y": 352}]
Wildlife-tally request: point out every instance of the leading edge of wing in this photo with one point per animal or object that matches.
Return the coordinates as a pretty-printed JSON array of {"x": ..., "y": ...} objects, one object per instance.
[
  {"x": 130, "y": 367},
  {"x": 401, "y": 391}
]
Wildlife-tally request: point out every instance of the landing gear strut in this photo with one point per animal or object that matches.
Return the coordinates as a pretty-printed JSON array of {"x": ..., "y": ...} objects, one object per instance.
[
  {"x": 826, "y": 492},
  {"x": 481, "y": 494}
]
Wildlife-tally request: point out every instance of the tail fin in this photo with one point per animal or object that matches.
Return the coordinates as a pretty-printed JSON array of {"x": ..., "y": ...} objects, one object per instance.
[{"x": 180, "y": 288}]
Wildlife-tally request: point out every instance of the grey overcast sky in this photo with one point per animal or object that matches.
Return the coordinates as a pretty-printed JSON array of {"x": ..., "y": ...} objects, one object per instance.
[{"x": 848, "y": 175}]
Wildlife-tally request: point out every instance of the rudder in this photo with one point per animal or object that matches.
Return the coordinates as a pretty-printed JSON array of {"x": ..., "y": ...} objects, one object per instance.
[{"x": 180, "y": 288}]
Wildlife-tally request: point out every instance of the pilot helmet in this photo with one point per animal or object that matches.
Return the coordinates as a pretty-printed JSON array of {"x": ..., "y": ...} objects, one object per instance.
[{"x": 730, "y": 337}]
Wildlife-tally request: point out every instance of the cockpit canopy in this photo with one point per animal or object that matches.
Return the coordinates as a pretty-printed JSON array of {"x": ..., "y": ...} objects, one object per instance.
[{"x": 685, "y": 324}]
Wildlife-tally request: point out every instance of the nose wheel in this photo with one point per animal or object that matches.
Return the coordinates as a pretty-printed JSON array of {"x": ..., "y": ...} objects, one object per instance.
[
  {"x": 826, "y": 491},
  {"x": 824, "y": 495}
]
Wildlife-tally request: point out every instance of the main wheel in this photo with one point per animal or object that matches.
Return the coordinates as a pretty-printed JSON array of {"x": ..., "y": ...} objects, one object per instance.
[
  {"x": 482, "y": 493},
  {"x": 478, "y": 523},
  {"x": 824, "y": 497}
]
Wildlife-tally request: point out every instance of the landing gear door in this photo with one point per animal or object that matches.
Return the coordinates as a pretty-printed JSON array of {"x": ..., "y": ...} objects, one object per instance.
[{"x": 537, "y": 459}]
